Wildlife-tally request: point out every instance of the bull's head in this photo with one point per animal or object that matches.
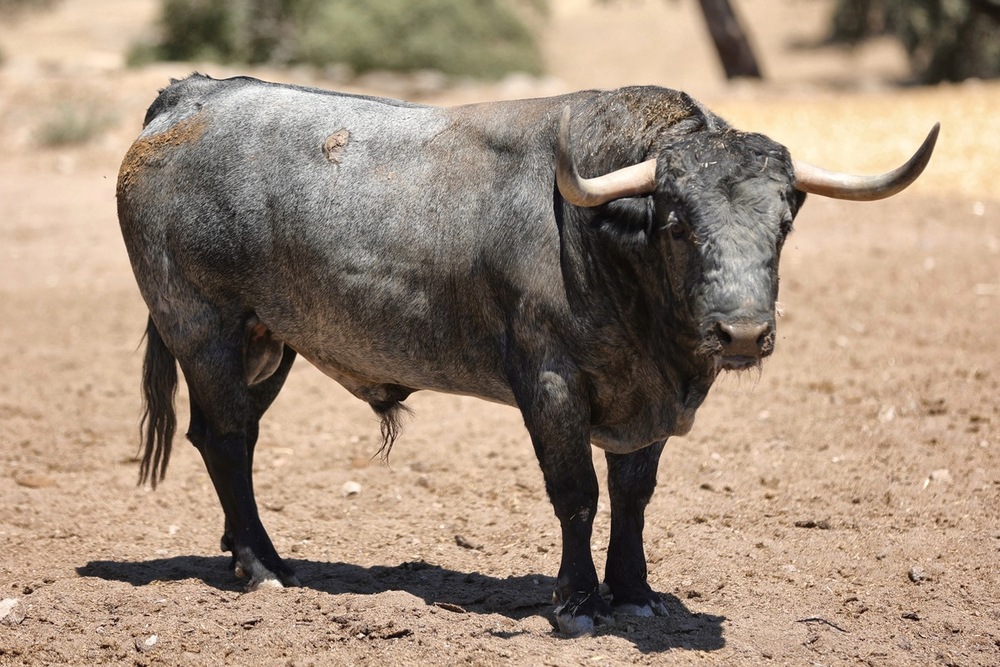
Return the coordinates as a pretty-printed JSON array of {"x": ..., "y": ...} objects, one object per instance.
[{"x": 724, "y": 202}]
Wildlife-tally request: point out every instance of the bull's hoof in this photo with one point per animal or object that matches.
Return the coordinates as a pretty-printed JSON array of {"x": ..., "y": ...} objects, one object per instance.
[
  {"x": 258, "y": 576},
  {"x": 637, "y": 601},
  {"x": 582, "y": 614},
  {"x": 268, "y": 580},
  {"x": 649, "y": 609},
  {"x": 264, "y": 583}
]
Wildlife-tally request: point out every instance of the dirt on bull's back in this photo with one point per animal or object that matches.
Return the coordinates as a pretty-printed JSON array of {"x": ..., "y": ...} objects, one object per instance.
[{"x": 841, "y": 507}]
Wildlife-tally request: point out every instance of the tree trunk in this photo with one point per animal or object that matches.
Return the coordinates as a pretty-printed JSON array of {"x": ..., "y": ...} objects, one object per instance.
[{"x": 730, "y": 40}]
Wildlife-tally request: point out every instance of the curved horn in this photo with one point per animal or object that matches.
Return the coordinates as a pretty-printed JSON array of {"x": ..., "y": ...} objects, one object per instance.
[
  {"x": 809, "y": 178},
  {"x": 639, "y": 179}
]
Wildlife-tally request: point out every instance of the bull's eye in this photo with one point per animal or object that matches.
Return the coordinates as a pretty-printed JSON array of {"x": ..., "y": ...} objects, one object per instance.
[
  {"x": 675, "y": 227},
  {"x": 786, "y": 225}
]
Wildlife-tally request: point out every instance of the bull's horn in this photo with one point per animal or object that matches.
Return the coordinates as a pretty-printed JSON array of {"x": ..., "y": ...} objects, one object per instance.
[
  {"x": 809, "y": 178},
  {"x": 639, "y": 179}
]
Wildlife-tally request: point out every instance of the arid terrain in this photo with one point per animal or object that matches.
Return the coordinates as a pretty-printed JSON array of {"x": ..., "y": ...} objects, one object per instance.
[{"x": 842, "y": 507}]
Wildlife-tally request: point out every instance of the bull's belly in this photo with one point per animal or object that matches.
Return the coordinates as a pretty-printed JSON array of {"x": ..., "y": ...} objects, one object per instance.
[
  {"x": 623, "y": 438},
  {"x": 386, "y": 363},
  {"x": 387, "y": 379}
]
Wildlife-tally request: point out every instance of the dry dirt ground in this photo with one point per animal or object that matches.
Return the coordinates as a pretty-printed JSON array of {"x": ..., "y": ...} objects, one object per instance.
[{"x": 841, "y": 508}]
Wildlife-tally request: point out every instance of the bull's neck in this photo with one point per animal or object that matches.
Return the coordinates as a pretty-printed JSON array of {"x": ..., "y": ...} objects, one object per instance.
[{"x": 621, "y": 286}]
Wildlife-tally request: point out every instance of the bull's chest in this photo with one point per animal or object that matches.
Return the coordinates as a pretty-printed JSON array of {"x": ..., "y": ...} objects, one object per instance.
[{"x": 654, "y": 418}]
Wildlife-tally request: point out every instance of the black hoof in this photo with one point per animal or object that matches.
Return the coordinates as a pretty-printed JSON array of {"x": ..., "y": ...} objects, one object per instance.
[
  {"x": 258, "y": 575},
  {"x": 637, "y": 602},
  {"x": 583, "y": 613}
]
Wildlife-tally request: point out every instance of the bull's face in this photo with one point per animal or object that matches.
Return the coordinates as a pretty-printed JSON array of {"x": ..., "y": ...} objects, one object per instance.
[{"x": 724, "y": 204}]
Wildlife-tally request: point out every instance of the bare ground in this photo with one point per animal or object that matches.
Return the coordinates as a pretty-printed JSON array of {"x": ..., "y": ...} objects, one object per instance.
[{"x": 843, "y": 507}]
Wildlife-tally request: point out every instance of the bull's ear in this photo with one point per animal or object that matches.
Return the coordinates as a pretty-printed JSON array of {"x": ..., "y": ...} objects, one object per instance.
[
  {"x": 800, "y": 199},
  {"x": 628, "y": 221},
  {"x": 636, "y": 179}
]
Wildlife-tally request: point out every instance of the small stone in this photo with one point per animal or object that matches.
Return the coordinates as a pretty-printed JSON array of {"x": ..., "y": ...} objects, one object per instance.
[
  {"x": 917, "y": 574},
  {"x": 11, "y": 611},
  {"x": 34, "y": 481},
  {"x": 887, "y": 413},
  {"x": 350, "y": 489},
  {"x": 448, "y": 606},
  {"x": 143, "y": 645},
  {"x": 939, "y": 476},
  {"x": 466, "y": 544}
]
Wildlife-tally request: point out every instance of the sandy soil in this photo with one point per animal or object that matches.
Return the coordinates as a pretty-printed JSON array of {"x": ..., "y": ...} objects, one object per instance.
[{"x": 842, "y": 508}]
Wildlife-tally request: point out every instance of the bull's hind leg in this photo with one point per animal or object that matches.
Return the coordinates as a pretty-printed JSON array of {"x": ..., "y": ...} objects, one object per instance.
[
  {"x": 224, "y": 425},
  {"x": 631, "y": 480},
  {"x": 261, "y": 397}
]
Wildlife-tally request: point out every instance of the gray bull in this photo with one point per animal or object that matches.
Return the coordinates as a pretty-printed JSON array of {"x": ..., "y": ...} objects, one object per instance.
[{"x": 400, "y": 247}]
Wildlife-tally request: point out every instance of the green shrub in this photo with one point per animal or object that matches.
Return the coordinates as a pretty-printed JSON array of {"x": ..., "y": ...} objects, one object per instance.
[
  {"x": 946, "y": 40},
  {"x": 461, "y": 37},
  {"x": 479, "y": 38},
  {"x": 15, "y": 6},
  {"x": 73, "y": 124}
]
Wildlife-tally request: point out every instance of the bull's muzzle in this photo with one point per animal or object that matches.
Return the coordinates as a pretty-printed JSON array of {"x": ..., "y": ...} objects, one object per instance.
[{"x": 744, "y": 344}]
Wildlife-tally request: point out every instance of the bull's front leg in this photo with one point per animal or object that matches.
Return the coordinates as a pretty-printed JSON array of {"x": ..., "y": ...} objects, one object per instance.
[
  {"x": 631, "y": 480},
  {"x": 557, "y": 417}
]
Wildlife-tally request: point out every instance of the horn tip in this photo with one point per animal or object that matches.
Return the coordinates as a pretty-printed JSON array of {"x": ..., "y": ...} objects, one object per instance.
[{"x": 933, "y": 134}]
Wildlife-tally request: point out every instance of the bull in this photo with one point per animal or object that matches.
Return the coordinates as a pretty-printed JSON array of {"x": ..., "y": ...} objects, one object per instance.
[{"x": 595, "y": 259}]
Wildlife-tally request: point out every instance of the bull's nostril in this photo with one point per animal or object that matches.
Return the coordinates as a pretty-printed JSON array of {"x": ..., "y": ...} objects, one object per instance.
[
  {"x": 742, "y": 338},
  {"x": 724, "y": 336},
  {"x": 762, "y": 338}
]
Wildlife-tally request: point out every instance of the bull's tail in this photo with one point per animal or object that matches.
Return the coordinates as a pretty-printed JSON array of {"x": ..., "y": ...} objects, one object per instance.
[{"x": 159, "y": 421}]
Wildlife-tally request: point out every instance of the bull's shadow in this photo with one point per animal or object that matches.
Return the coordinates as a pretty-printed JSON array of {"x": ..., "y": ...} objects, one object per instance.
[{"x": 514, "y": 597}]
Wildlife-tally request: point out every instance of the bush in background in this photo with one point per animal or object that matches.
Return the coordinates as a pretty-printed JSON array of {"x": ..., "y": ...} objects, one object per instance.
[
  {"x": 478, "y": 38},
  {"x": 14, "y": 6},
  {"x": 70, "y": 124},
  {"x": 947, "y": 40}
]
